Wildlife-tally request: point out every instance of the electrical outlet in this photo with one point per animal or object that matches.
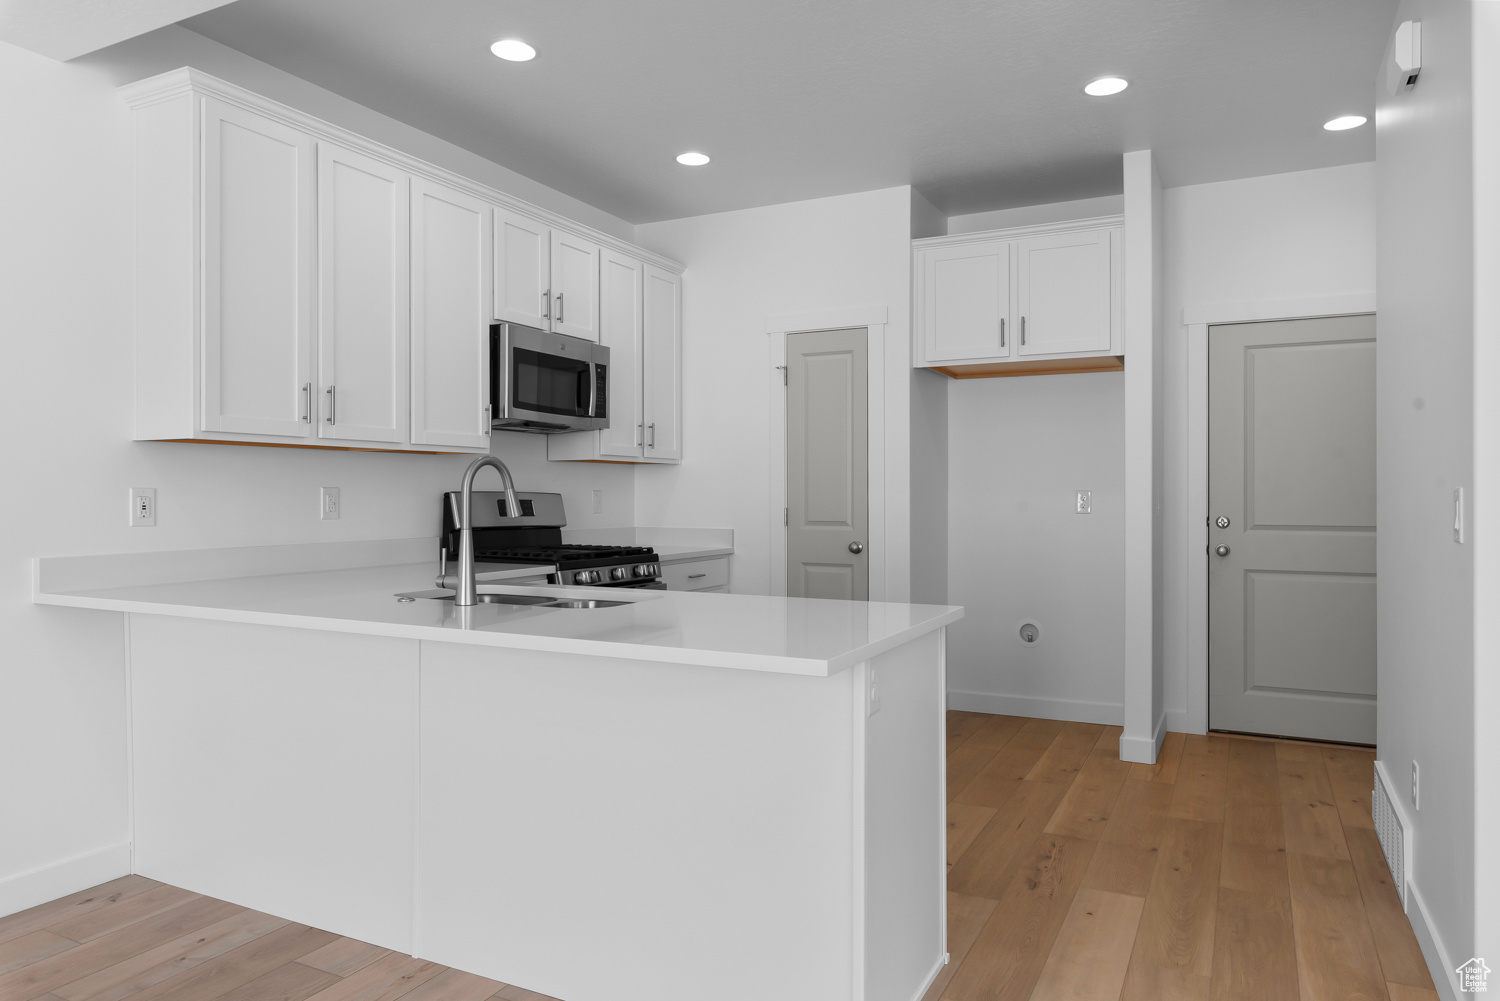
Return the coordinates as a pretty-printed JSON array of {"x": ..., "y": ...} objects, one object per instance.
[
  {"x": 142, "y": 507},
  {"x": 328, "y": 508},
  {"x": 598, "y": 501},
  {"x": 1085, "y": 502},
  {"x": 1416, "y": 787},
  {"x": 872, "y": 691}
]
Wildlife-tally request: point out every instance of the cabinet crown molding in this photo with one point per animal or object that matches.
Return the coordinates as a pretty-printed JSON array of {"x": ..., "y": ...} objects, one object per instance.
[
  {"x": 1015, "y": 232},
  {"x": 186, "y": 80}
]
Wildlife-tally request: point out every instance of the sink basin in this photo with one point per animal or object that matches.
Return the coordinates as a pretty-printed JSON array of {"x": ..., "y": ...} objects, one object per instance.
[
  {"x": 532, "y": 600},
  {"x": 510, "y": 599},
  {"x": 584, "y": 603}
]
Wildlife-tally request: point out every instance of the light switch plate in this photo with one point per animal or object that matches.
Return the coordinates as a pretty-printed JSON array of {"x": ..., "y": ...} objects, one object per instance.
[{"x": 1085, "y": 502}]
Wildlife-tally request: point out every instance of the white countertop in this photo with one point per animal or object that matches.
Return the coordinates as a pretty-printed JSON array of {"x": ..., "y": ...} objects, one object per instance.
[{"x": 750, "y": 632}]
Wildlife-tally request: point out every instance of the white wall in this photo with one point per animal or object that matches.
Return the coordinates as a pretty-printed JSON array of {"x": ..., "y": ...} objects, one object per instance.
[
  {"x": 825, "y": 254},
  {"x": 1019, "y": 450},
  {"x": 1425, "y": 441},
  {"x": 1300, "y": 235},
  {"x": 65, "y": 398}
]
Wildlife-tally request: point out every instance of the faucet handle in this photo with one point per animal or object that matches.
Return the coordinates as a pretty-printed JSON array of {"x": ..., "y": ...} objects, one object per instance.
[{"x": 442, "y": 562}]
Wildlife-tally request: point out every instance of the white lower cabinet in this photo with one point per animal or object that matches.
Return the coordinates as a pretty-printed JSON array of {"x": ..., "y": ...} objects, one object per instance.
[{"x": 697, "y": 575}]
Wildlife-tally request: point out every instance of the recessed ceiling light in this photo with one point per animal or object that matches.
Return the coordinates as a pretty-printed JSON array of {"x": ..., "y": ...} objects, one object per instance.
[
  {"x": 1345, "y": 122},
  {"x": 514, "y": 50},
  {"x": 1105, "y": 86},
  {"x": 692, "y": 159}
]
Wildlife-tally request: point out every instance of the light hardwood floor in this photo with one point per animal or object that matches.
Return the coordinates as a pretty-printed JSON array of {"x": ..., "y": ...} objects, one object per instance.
[{"x": 1233, "y": 868}]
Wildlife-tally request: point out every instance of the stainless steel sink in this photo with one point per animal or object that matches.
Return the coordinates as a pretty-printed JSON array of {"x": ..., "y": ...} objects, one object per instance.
[
  {"x": 584, "y": 603},
  {"x": 511, "y": 599},
  {"x": 533, "y": 600}
]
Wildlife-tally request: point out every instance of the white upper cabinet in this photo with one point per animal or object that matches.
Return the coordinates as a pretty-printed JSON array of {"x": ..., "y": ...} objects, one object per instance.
[
  {"x": 1065, "y": 295},
  {"x": 364, "y": 312},
  {"x": 662, "y": 395},
  {"x": 575, "y": 285},
  {"x": 966, "y": 306},
  {"x": 450, "y": 315},
  {"x": 523, "y": 262},
  {"x": 1032, "y": 299},
  {"x": 620, "y": 330},
  {"x": 258, "y": 178}
]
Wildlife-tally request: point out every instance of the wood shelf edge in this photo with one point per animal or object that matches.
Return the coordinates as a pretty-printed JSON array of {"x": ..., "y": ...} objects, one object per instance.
[{"x": 1049, "y": 366}]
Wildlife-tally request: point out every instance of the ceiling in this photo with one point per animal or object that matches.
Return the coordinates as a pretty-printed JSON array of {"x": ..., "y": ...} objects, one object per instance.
[
  {"x": 66, "y": 29},
  {"x": 978, "y": 103}
]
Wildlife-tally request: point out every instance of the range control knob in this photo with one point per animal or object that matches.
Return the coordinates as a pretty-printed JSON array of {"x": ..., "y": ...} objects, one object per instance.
[
  {"x": 643, "y": 570},
  {"x": 619, "y": 573},
  {"x": 586, "y": 577}
]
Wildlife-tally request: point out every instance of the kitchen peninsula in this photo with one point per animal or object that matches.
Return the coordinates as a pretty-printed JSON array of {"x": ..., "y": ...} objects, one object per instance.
[{"x": 684, "y": 795}]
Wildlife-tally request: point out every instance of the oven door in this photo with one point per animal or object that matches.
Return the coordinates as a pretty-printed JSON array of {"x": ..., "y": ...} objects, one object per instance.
[{"x": 547, "y": 382}]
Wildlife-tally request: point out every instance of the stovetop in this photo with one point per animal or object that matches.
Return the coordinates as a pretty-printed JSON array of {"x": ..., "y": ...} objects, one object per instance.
[{"x": 567, "y": 556}]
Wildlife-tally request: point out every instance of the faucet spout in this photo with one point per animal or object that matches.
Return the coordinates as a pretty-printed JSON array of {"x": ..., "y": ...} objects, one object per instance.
[{"x": 468, "y": 592}]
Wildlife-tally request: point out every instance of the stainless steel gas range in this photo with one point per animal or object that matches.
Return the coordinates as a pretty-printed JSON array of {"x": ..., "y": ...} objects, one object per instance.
[{"x": 534, "y": 536}]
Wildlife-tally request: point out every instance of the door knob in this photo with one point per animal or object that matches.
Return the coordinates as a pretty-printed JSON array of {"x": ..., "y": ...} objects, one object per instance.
[
  {"x": 1222, "y": 550},
  {"x": 856, "y": 548}
]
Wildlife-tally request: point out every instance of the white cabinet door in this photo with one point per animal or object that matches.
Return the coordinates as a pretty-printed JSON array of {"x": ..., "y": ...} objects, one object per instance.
[
  {"x": 620, "y": 319},
  {"x": 966, "y": 301},
  {"x": 662, "y": 386},
  {"x": 451, "y": 312},
  {"x": 258, "y": 274},
  {"x": 1064, "y": 299},
  {"x": 575, "y": 285},
  {"x": 363, "y": 307},
  {"x": 523, "y": 263}
]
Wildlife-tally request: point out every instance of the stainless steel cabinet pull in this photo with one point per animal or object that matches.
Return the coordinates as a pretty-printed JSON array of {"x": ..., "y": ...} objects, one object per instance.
[
  {"x": 640, "y": 433},
  {"x": 856, "y": 548},
  {"x": 331, "y": 403},
  {"x": 695, "y": 576},
  {"x": 651, "y": 428},
  {"x": 488, "y": 419},
  {"x": 1222, "y": 550},
  {"x": 1023, "y": 331},
  {"x": 307, "y": 402},
  {"x": 547, "y": 304},
  {"x": 1002, "y": 331},
  {"x": 559, "y": 307}
]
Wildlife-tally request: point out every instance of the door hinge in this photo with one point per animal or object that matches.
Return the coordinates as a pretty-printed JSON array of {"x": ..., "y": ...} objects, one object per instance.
[
  {"x": 783, "y": 374},
  {"x": 786, "y": 516}
]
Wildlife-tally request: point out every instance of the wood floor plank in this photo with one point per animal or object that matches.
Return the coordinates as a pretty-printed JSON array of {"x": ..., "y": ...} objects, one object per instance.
[
  {"x": 1198, "y": 793},
  {"x": 1092, "y": 950},
  {"x": 237, "y": 967},
  {"x": 1252, "y": 869},
  {"x": 1004, "y": 772},
  {"x": 1085, "y": 810},
  {"x": 1351, "y": 773},
  {"x": 1255, "y": 957},
  {"x": 291, "y": 982},
  {"x": 1309, "y": 815},
  {"x": 961, "y": 726},
  {"x": 1400, "y": 955},
  {"x": 1121, "y": 868},
  {"x": 991, "y": 862},
  {"x": 1252, "y": 803},
  {"x": 135, "y": 974},
  {"x": 965, "y": 763},
  {"x": 996, "y": 731},
  {"x": 1145, "y": 982},
  {"x": 1401, "y": 992},
  {"x": 65, "y": 967},
  {"x": 1336, "y": 956},
  {"x": 33, "y": 948},
  {"x": 966, "y": 918},
  {"x": 964, "y": 824},
  {"x": 1165, "y": 769},
  {"x": 100, "y": 922},
  {"x": 1133, "y": 838},
  {"x": 343, "y": 956},
  {"x": 1066, "y": 754},
  {"x": 522, "y": 994},
  {"x": 1177, "y": 925},
  {"x": 1005, "y": 960},
  {"x": 383, "y": 980},
  {"x": 456, "y": 985},
  {"x": 54, "y": 911}
]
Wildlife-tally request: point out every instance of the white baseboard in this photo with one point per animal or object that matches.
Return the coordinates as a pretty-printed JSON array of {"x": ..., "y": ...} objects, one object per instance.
[
  {"x": 1142, "y": 749},
  {"x": 1440, "y": 962},
  {"x": 937, "y": 968},
  {"x": 1072, "y": 710},
  {"x": 1179, "y": 721},
  {"x": 38, "y": 886}
]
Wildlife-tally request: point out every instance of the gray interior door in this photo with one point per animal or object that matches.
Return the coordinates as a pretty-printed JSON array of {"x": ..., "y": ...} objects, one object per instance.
[
  {"x": 828, "y": 481},
  {"x": 1291, "y": 535}
]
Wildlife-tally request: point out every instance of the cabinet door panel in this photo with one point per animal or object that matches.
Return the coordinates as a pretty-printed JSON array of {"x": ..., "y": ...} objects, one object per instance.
[
  {"x": 966, "y": 301},
  {"x": 363, "y": 308},
  {"x": 575, "y": 286},
  {"x": 1064, "y": 298},
  {"x": 620, "y": 319},
  {"x": 451, "y": 314},
  {"x": 258, "y": 273},
  {"x": 662, "y": 402},
  {"x": 523, "y": 250}
]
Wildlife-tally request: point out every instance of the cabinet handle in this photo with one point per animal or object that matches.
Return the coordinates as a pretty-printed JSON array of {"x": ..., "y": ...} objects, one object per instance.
[
  {"x": 1002, "y": 331},
  {"x": 1023, "y": 331},
  {"x": 488, "y": 420},
  {"x": 652, "y": 429},
  {"x": 559, "y": 307},
  {"x": 547, "y": 304},
  {"x": 695, "y": 576},
  {"x": 332, "y": 402},
  {"x": 307, "y": 402},
  {"x": 640, "y": 433}
]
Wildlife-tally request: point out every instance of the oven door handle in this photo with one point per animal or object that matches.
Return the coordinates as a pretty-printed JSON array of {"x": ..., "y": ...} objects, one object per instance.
[{"x": 593, "y": 388}]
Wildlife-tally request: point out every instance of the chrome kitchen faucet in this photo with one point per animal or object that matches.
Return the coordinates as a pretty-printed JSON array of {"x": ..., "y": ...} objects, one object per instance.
[{"x": 467, "y": 592}]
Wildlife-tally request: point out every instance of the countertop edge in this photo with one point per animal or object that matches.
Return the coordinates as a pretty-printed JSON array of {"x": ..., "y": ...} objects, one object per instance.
[{"x": 807, "y": 667}]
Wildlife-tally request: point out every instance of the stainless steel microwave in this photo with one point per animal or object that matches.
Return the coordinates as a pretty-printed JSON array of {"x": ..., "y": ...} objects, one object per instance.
[{"x": 547, "y": 383}]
